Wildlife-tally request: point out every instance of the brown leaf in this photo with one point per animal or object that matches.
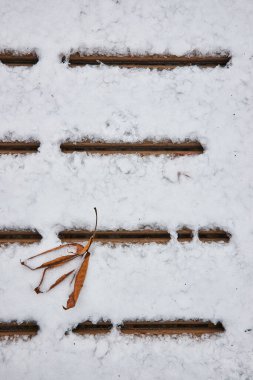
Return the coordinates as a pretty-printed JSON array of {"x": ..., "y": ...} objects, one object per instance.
[
  {"x": 57, "y": 282},
  {"x": 79, "y": 249},
  {"x": 79, "y": 280},
  {"x": 59, "y": 261}
]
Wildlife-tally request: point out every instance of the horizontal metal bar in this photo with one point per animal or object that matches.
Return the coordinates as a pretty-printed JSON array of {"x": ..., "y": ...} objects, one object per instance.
[
  {"x": 15, "y": 58},
  {"x": 142, "y": 327},
  {"x": 143, "y": 148},
  {"x": 19, "y": 236},
  {"x": 116, "y": 236},
  {"x": 204, "y": 235},
  {"x": 12, "y": 329},
  {"x": 88, "y": 327},
  {"x": 120, "y": 236},
  {"x": 155, "y": 61},
  {"x": 216, "y": 235},
  {"x": 19, "y": 147},
  {"x": 139, "y": 327},
  {"x": 171, "y": 327},
  {"x": 143, "y": 236},
  {"x": 184, "y": 235}
]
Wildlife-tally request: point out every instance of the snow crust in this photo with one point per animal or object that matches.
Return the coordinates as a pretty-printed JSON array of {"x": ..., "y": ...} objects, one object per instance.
[{"x": 51, "y": 191}]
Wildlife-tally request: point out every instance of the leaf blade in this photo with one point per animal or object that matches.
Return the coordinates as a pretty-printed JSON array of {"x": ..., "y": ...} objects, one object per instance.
[{"x": 79, "y": 280}]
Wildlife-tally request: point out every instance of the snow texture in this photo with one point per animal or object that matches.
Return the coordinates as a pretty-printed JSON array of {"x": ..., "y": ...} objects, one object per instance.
[{"x": 50, "y": 191}]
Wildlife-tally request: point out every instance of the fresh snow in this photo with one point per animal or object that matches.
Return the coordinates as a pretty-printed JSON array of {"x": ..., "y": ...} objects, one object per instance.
[{"x": 50, "y": 191}]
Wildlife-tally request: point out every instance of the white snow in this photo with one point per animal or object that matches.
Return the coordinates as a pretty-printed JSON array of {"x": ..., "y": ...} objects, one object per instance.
[{"x": 51, "y": 191}]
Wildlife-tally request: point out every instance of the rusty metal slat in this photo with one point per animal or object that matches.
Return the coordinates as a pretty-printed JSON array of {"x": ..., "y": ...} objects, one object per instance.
[
  {"x": 115, "y": 236},
  {"x": 31, "y": 328},
  {"x": 152, "y": 327},
  {"x": 184, "y": 235},
  {"x": 120, "y": 236},
  {"x": 19, "y": 236},
  {"x": 204, "y": 235},
  {"x": 87, "y": 327},
  {"x": 151, "y": 148},
  {"x": 143, "y": 236},
  {"x": 215, "y": 235},
  {"x": 156, "y": 61},
  {"x": 143, "y": 148},
  {"x": 171, "y": 328},
  {"x": 19, "y": 147},
  {"x": 12, "y": 329},
  {"x": 14, "y": 58}
]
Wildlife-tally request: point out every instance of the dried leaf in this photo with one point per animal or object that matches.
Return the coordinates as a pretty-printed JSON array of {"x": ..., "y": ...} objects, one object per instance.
[
  {"x": 56, "y": 262},
  {"x": 79, "y": 249},
  {"x": 57, "y": 282},
  {"x": 79, "y": 276},
  {"x": 79, "y": 280}
]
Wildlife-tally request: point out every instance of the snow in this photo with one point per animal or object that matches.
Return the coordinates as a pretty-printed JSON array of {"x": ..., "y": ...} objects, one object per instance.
[{"x": 51, "y": 191}]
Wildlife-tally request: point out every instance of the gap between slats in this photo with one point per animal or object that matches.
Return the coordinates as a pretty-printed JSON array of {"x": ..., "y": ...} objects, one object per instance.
[
  {"x": 144, "y": 236},
  {"x": 141, "y": 148},
  {"x": 102, "y": 148},
  {"x": 141, "y": 327},
  {"x": 19, "y": 147},
  {"x": 138, "y": 327},
  {"x": 19, "y": 236},
  {"x": 171, "y": 327},
  {"x": 12, "y": 329},
  {"x": 159, "y": 62},
  {"x": 120, "y": 236},
  {"x": 117, "y": 236},
  {"x": 15, "y": 58}
]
